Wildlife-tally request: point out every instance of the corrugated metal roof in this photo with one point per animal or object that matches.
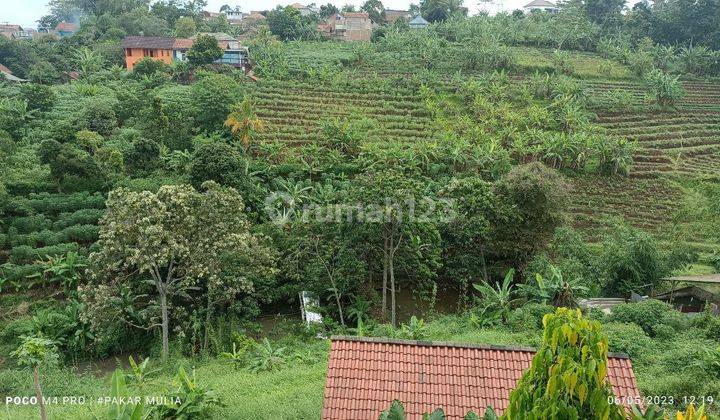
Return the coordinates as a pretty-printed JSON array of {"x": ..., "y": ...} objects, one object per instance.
[
  {"x": 366, "y": 374},
  {"x": 705, "y": 278}
]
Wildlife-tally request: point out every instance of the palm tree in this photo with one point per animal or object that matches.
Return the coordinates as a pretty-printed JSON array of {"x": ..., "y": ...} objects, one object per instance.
[{"x": 244, "y": 123}]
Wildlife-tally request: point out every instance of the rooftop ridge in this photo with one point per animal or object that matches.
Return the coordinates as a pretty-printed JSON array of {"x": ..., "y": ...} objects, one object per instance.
[{"x": 428, "y": 343}]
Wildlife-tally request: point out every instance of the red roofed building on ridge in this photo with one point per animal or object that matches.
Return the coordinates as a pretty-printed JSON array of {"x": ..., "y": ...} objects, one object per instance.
[{"x": 365, "y": 375}]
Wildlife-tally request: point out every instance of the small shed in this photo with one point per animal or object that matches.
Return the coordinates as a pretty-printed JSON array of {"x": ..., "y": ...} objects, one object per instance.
[{"x": 418, "y": 22}]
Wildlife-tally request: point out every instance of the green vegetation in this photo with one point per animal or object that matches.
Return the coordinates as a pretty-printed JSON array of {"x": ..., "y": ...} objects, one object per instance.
[{"x": 458, "y": 183}]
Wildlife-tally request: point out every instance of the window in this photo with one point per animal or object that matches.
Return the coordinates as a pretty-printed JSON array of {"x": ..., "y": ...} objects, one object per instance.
[{"x": 128, "y": 52}]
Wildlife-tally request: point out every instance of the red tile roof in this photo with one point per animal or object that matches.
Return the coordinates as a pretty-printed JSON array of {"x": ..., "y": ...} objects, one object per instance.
[
  {"x": 366, "y": 374},
  {"x": 67, "y": 27}
]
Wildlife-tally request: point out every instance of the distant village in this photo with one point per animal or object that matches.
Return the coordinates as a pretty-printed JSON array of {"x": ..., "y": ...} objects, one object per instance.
[{"x": 351, "y": 26}]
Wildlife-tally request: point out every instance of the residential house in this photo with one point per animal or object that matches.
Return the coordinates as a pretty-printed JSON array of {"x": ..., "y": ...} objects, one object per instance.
[
  {"x": 8, "y": 75},
  {"x": 418, "y": 22},
  {"x": 11, "y": 31},
  {"x": 350, "y": 26},
  {"x": 138, "y": 47},
  {"x": 305, "y": 10},
  {"x": 392, "y": 15},
  {"x": 65, "y": 29},
  {"x": 364, "y": 376},
  {"x": 541, "y": 6},
  {"x": 168, "y": 50},
  {"x": 234, "y": 54}
]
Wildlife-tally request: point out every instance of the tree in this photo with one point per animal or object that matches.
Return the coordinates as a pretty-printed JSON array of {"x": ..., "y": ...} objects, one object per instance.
[
  {"x": 178, "y": 237},
  {"x": 327, "y": 10},
  {"x": 396, "y": 221},
  {"x": 213, "y": 96},
  {"x": 439, "y": 10},
  {"x": 244, "y": 123},
  {"x": 33, "y": 353},
  {"x": 185, "y": 27},
  {"x": 375, "y": 10},
  {"x": 288, "y": 24},
  {"x": 88, "y": 61},
  {"x": 530, "y": 205},
  {"x": 204, "y": 50},
  {"x": 568, "y": 374}
]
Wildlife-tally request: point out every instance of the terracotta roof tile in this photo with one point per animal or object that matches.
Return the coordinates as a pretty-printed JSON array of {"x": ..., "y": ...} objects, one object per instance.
[{"x": 365, "y": 375}]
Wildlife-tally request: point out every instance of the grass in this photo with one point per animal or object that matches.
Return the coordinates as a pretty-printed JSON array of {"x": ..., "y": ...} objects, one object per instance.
[{"x": 666, "y": 365}]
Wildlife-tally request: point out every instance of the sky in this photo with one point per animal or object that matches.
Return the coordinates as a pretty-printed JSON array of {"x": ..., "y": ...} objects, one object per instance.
[{"x": 27, "y": 12}]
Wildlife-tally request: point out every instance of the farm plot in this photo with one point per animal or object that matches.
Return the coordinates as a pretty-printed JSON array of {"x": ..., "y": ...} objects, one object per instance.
[
  {"x": 38, "y": 226},
  {"x": 699, "y": 95},
  {"x": 643, "y": 203},
  {"x": 678, "y": 143},
  {"x": 293, "y": 113}
]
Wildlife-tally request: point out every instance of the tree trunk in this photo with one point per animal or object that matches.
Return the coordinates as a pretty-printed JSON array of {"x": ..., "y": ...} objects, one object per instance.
[
  {"x": 165, "y": 322},
  {"x": 391, "y": 265},
  {"x": 385, "y": 275},
  {"x": 208, "y": 318},
  {"x": 482, "y": 260},
  {"x": 337, "y": 300},
  {"x": 38, "y": 393}
]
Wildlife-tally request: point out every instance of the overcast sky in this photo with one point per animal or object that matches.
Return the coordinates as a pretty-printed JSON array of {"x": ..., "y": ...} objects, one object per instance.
[{"x": 27, "y": 12}]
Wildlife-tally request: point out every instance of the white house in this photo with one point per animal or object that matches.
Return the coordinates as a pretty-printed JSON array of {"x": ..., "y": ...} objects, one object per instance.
[{"x": 541, "y": 5}]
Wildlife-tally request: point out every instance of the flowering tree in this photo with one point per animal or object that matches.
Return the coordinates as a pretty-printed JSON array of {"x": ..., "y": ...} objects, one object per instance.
[{"x": 179, "y": 238}]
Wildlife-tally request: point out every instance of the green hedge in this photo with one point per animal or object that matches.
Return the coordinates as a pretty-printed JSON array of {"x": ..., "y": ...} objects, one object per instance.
[
  {"x": 24, "y": 254},
  {"x": 29, "y": 224},
  {"x": 79, "y": 217},
  {"x": 54, "y": 203},
  {"x": 77, "y": 233}
]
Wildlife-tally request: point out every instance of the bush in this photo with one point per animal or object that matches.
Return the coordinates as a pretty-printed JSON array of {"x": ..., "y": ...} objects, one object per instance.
[
  {"x": 529, "y": 317},
  {"x": 708, "y": 323},
  {"x": 143, "y": 157},
  {"x": 217, "y": 162},
  {"x": 627, "y": 338},
  {"x": 648, "y": 314},
  {"x": 665, "y": 90},
  {"x": 25, "y": 254},
  {"x": 632, "y": 261}
]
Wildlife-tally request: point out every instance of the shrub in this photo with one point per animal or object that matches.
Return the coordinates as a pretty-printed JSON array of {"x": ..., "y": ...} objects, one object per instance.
[
  {"x": 562, "y": 62},
  {"x": 631, "y": 260},
  {"x": 143, "y": 157},
  {"x": 664, "y": 89},
  {"x": 647, "y": 314},
  {"x": 529, "y": 317},
  {"x": 627, "y": 338},
  {"x": 217, "y": 162}
]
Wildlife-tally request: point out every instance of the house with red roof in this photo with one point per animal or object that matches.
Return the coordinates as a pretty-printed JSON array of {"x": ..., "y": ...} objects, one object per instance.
[{"x": 365, "y": 375}]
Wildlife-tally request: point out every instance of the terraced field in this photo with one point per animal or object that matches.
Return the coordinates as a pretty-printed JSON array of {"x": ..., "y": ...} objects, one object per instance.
[
  {"x": 700, "y": 95},
  {"x": 674, "y": 143},
  {"x": 644, "y": 203},
  {"x": 681, "y": 143},
  {"x": 293, "y": 112}
]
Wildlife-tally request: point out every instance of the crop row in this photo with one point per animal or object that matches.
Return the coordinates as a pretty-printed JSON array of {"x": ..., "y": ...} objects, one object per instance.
[{"x": 54, "y": 203}]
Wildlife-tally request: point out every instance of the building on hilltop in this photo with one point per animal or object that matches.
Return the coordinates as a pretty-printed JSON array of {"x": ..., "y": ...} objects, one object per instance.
[
  {"x": 364, "y": 376},
  {"x": 138, "y": 47},
  {"x": 65, "y": 29},
  {"x": 542, "y": 6},
  {"x": 168, "y": 50},
  {"x": 305, "y": 10},
  {"x": 350, "y": 26},
  {"x": 12, "y": 31},
  {"x": 392, "y": 15},
  {"x": 418, "y": 22},
  {"x": 234, "y": 54}
]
